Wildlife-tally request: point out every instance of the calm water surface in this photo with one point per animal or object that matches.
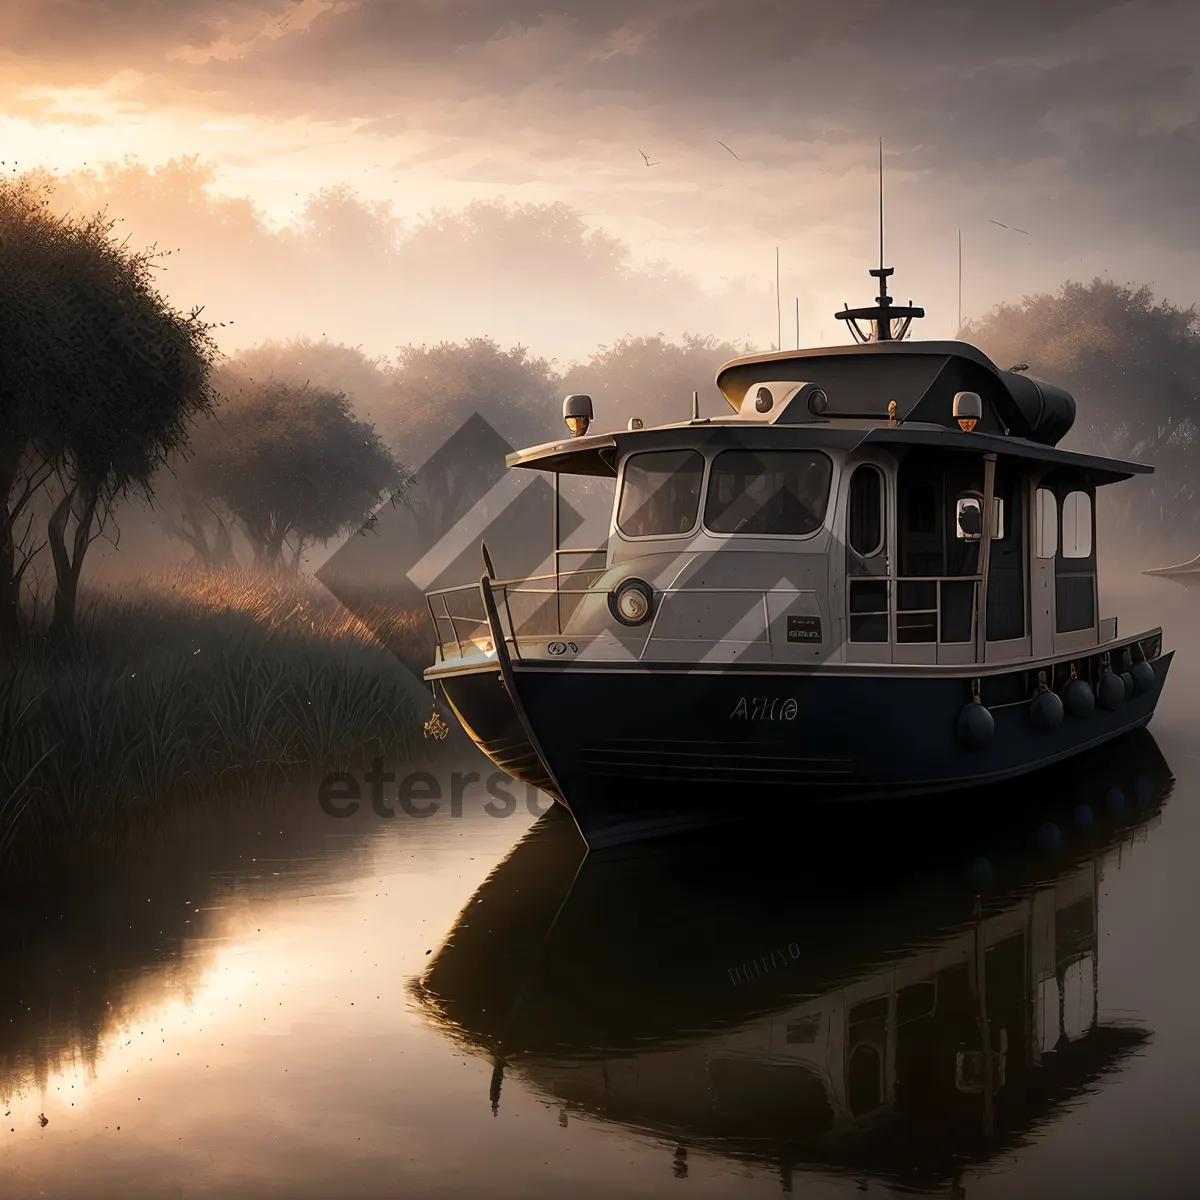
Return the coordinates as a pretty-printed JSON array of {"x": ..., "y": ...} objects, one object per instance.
[{"x": 276, "y": 1002}]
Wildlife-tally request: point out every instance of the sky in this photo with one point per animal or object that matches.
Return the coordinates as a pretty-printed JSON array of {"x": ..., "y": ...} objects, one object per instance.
[{"x": 1075, "y": 122}]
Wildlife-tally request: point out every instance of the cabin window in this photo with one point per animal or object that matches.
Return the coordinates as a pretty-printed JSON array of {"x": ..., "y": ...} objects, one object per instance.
[
  {"x": 865, "y": 522},
  {"x": 1047, "y": 523},
  {"x": 660, "y": 493},
  {"x": 1077, "y": 525},
  {"x": 768, "y": 492}
]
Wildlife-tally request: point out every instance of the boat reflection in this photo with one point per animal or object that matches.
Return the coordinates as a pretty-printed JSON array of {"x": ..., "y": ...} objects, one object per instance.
[{"x": 901, "y": 1002}]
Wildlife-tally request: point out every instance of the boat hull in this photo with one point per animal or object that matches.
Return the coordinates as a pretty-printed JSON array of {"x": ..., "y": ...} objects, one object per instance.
[{"x": 637, "y": 752}]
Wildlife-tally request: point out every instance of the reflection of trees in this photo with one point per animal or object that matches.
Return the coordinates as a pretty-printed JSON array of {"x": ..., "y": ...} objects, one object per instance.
[{"x": 112, "y": 936}]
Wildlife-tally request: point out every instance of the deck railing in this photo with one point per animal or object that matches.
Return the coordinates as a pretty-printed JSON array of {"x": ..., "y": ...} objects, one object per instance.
[
  {"x": 927, "y": 608},
  {"x": 544, "y": 608}
]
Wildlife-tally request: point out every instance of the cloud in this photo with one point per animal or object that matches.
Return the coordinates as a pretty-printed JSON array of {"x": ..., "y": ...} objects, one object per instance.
[
  {"x": 1075, "y": 119},
  {"x": 490, "y": 171},
  {"x": 350, "y": 270}
]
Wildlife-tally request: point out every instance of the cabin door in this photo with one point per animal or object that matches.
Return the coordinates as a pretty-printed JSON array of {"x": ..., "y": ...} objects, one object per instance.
[
  {"x": 937, "y": 568},
  {"x": 1006, "y": 569}
]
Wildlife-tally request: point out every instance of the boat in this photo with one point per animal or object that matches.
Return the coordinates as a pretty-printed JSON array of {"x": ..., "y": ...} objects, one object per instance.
[
  {"x": 909, "y": 1006},
  {"x": 1187, "y": 573},
  {"x": 873, "y": 578}
]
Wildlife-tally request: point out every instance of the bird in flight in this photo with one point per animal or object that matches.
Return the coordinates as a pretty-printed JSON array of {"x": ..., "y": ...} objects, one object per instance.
[
  {"x": 1012, "y": 227},
  {"x": 647, "y": 158},
  {"x": 721, "y": 143}
]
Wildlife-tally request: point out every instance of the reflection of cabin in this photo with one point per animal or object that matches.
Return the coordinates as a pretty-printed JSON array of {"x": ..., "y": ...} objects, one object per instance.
[{"x": 898, "y": 1053}]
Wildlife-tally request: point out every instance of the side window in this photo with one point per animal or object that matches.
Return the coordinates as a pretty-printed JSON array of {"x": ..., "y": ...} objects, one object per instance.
[
  {"x": 1047, "y": 523},
  {"x": 1077, "y": 525},
  {"x": 865, "y": 519}
]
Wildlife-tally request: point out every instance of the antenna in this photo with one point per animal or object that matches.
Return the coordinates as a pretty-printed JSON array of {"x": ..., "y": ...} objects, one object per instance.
[
  {"x": 778, "y": 310},
  {"x": 959, "y": 333},
  {"x": 884, "y": 312},
  {"x": 797, "y": 322},
  {"x": 695, "y": 406},
  {"x": 881, "y": 204}
]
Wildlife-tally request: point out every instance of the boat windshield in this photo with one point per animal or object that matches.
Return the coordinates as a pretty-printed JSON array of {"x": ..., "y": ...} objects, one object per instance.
[
  {"x": 768, "y": 492},
  {"x": 660, "y": 493}
]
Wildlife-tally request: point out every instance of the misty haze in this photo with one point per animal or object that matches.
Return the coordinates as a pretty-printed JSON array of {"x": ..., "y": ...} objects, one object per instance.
[{"x": 586, "y": 598}]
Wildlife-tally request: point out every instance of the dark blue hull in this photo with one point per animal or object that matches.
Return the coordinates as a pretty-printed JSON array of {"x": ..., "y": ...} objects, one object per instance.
[{"x": 634, "y": 752}]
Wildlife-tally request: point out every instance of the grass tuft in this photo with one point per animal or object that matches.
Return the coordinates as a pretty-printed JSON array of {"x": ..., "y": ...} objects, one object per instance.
[{"x": 198, "y": 683}]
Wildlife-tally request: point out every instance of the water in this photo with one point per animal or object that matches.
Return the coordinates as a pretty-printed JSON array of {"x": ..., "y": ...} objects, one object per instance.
[{"x": 271, "y": 1001}]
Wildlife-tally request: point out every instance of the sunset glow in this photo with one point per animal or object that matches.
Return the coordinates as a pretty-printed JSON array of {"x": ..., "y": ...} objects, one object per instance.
[{"x": 420, "y": 105}]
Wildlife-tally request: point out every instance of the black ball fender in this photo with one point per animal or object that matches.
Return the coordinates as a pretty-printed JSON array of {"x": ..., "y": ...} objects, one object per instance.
[
  {"x": 1143, "y": 677},
  {"x": 975, "y": 727},
  {"x": 1046, "y": 711},
  {"x": 1079, "y": 699},
  {"x": 1111, "y": 690}
]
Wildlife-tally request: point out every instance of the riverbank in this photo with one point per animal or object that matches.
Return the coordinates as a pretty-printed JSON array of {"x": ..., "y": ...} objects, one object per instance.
[{"x": 195, "y": 684}]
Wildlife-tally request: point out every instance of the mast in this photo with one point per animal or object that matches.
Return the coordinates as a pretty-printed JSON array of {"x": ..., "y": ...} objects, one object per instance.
[
  {"x": 885, "y": 311},
  {"x": 881, "y": 204}
]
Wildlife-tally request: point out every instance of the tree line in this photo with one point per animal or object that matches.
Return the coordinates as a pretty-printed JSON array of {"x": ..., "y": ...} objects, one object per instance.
[{"x": 108, "y": 394}]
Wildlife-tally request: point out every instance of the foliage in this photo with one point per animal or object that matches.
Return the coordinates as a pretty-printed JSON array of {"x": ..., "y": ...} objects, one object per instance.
[
  {"x": 652, "y": 378},
  {"x": 350, "y": 269},
  {"x": 1133, "y": 366},
  {"x": 202, "y": 682},
  {"x": 292, "y": 464},
  {"x": 100, "y": 379}
]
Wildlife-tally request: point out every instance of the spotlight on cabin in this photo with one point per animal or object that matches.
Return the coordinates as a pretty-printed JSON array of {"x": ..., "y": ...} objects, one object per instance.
[
  {"x": 818, "y": 402},
  {"x": 577, "y": 412},
  {"x": 763, "y": 400},
  {"x": 968, "y": 408},
  {"x": 634, "y": 423}
]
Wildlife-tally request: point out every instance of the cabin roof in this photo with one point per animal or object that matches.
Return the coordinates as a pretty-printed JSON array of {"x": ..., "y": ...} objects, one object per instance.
[
  {"x": 920, "y": 376},
  {"x": 597, "y": 454}
]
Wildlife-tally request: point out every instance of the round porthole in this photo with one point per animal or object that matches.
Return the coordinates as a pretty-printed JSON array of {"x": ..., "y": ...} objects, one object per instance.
[
  {"x": 631, "y": 601},
  {"x": 763, "y": 400},
  {"x": 818, "y": 402}
]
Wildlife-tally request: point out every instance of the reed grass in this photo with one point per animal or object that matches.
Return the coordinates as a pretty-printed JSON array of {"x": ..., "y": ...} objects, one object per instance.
[{"x": 197, "y": 683}]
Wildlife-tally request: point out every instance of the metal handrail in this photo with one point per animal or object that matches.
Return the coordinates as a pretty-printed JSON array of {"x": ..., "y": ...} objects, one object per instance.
[
  {"x": 523, "y": 586},
  {"x": 511, "y": 635},
  {"x": 893, "y": 611}
]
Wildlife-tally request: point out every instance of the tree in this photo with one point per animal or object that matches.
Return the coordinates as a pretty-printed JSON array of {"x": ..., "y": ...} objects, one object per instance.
[
  {"x": 34, "y": 373},
  {"x": 651, "y": 378},
  {"x": 1134, "y": 369},
  {"x": 438, "y": 389},
  {"x": 99, "y": 381},
  {"x": 294, "y": 466},
  {"x": 190, "y": 510},
  {"x": 368, "y": 382}
]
